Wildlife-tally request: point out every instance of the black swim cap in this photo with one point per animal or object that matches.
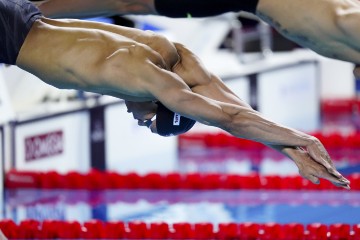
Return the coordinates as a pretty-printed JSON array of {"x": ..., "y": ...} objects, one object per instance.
[{"x": 169, "y": 123}]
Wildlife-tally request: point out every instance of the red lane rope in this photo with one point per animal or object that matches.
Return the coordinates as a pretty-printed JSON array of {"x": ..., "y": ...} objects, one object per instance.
[
  {"x": 95, "y": 229},
  {"x": 339, "y": 146},
  {"x": 95, "y": 180}
]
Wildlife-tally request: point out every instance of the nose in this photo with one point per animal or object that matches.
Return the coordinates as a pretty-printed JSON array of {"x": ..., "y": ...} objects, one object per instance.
[{"x": 141, "y": 122}]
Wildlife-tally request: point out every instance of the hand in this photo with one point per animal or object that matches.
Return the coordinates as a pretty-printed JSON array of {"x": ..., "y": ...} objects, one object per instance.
[
  {"x": 141, "y": 111},
  {"x": 312, "y": 169},
  {"x": 319, "y": 154}
]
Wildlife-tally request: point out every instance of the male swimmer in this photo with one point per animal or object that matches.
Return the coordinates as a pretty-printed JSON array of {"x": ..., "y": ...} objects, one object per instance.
[{"x": 143, "y": 67}]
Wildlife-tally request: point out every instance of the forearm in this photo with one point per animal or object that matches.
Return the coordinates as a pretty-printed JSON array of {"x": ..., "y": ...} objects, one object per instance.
[
  {"x": 240, "y": 121},
  {"x": 217, "y": 90},
  {"x": 94, "y": 8},
  {"x": 257, "y": 128},
  {"x": 328, "y": 27}
]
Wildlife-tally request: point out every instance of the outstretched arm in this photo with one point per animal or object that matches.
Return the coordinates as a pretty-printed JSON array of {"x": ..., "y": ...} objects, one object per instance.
[
  {"x": 207, "y": 84},
  {"x": 243, "y": 122}
]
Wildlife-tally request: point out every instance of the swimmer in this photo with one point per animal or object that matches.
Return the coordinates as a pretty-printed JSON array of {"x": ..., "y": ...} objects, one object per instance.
[{"x": 143, "y": 67}]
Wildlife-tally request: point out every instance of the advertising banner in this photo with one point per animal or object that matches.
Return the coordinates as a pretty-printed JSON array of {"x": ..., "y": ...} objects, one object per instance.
[{"x": 58, "y": 142}]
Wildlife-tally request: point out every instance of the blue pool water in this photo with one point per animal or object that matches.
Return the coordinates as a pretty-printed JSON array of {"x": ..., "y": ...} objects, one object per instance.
[{"x": 216, "y": 206}]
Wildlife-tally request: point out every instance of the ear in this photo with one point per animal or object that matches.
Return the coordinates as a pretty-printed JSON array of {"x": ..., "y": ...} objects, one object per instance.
[{"x": 356, "y": 71}]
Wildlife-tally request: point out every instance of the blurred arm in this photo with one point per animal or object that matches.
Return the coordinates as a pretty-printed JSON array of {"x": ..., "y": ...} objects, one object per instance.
[
  {"x": 94, "y": 8},
  {"x": 328, "y": 27}
]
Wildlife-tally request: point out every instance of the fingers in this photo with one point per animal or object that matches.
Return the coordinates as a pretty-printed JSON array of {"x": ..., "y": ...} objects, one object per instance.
[
  {"x": 318, "y": 152},
  {"x": 314, "y": 175},
  {"x": 316, "y": 180},
  {"x": 342, "y": 181},
  {"x": 313, "y": 179},
  {"x": 313, "y": 170},
  {"x": 346, "y": 186},
  {"x": 339, "y": 182}
]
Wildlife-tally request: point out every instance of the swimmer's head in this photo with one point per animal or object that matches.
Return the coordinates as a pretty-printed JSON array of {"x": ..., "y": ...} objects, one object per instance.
[
  {"x": 169, "y": 123},
  {"x": 159, "y": 119}
]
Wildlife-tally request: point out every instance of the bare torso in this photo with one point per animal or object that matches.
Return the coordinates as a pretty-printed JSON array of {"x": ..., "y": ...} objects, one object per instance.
[{"x": 87, "y": 59}]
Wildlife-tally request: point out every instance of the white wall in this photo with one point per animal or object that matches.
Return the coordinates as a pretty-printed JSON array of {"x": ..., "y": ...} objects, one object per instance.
[
  {"x": 291, "y": 96},
  {"x": 240, "y": 86},
  {"x": 337, "y": 79}
]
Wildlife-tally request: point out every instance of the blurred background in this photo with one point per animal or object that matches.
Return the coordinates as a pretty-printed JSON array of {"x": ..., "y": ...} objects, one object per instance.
[{"x": 78, "y": 157}]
